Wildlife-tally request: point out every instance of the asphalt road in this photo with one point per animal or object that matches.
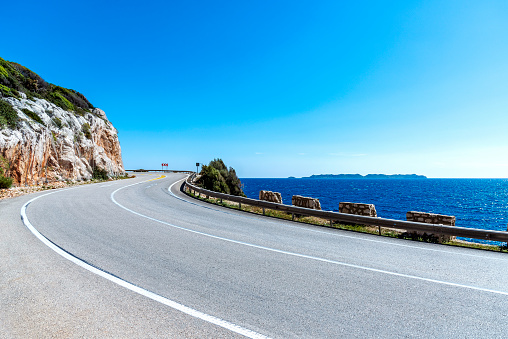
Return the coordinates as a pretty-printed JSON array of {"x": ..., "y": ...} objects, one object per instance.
[{"x": 233, "y": 273}]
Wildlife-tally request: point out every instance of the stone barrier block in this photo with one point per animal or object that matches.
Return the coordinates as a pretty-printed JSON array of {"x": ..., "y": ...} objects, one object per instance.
[
  {"x": 306, "y": 202},
  {"x": 368, "y": 210},
  {"x": 270, "y": 196},
  {"x": 431, "y": 218}
]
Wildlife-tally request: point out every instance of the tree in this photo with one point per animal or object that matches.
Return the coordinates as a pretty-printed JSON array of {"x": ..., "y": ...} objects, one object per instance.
[{"x": 216, "y": 177}]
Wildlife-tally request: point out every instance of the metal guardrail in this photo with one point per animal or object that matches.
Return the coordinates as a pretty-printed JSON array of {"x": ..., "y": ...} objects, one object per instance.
[{"x": 465, "y": 232}]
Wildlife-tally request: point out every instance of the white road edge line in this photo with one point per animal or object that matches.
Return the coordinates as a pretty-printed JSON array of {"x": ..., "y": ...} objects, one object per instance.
[
  {"x": 365, "y": 268},
  {"x": 345, "y": 236},
  {"x": 173, "y": 304}
]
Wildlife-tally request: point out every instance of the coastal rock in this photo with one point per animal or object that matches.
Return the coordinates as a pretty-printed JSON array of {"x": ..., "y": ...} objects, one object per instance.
[
  {"x": 270, "y": 196},
  {"x": 65, "y": 146},
  {"x": 306, "y": 202}
]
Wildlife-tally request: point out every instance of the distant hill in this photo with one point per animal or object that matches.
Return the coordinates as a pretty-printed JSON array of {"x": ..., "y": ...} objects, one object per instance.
[{"x": 368, "y": 176}]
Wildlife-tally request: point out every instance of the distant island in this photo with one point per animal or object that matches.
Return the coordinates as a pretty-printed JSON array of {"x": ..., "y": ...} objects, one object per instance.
[{"x": 368, "y": 176}]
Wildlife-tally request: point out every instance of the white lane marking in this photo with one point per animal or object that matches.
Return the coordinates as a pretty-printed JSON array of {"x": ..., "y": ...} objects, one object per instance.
[
  {"x": 173, "y": 304},
  {"x": 365, "y": 268},
  {"x": 336, "y": 234},
  {"x": 108, "y": 185}
]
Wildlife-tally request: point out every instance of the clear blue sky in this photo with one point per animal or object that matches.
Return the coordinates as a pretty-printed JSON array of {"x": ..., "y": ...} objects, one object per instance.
[{"x": 283, "y": 88}]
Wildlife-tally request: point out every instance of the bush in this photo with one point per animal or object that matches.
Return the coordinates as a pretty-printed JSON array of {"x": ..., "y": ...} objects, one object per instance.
[
  {"x": 100, "y": 174},
  {"x": 61, "y": 101},
  {"x": 81, "y": 112},
  {"x": 86, "y": 130},
  {"x": 216, "y": 177},
  {"x": 33, "y": 116},
  {"x": 4, "y": 165},
  {"x": 15, "y": 78},
  {"x": 8, "y": 92},
  {"x": 5, "y": 182},
  {"x": 8, "y": 113},
  {"x": 234, "y": 184},
  {"x": 57, "y": 122},
  {"x": 211, "y": 179}
]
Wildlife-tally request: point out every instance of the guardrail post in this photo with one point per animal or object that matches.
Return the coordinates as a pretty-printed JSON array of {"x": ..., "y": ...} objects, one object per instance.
[
  {"x": 239, "y": 205},
  {"x": 379, "y": 229},
  {"x": 221, "y": 200},
  {"x": 263, "y": 211},
  {"x": 292, "y": 217}
]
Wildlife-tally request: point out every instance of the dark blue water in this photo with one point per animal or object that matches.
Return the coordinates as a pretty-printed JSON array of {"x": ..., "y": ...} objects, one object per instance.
[{"x": 476, "y": 203}]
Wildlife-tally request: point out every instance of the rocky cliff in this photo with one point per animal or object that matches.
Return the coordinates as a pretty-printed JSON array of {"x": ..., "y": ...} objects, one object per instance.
[{"x": 58, "y": 140}]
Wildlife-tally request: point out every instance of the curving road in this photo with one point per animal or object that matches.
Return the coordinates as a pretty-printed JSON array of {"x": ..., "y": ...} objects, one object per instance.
[{"x": 140, "y": 259}]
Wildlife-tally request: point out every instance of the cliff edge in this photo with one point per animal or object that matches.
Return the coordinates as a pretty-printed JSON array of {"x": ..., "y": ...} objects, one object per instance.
[{"x": 52, "y": 133}]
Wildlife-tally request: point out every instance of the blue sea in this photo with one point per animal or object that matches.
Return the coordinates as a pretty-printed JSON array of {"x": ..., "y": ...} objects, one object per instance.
[{"x": 476, "y": 203}]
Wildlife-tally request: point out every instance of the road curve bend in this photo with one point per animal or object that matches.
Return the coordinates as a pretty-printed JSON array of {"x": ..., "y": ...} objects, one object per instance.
[{"x": 139, "y": 258}]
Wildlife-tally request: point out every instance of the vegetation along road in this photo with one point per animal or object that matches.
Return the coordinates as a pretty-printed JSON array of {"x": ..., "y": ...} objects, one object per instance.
[{"x": 138, "y": 258}]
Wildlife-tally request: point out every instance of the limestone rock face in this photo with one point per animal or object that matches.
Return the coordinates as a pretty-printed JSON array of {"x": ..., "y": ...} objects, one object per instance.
[{"x": 66, "y": 146}]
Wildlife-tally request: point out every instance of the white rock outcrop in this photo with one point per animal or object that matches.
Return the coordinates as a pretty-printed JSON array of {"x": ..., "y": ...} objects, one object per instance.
[{"x": 60, "y": 148}]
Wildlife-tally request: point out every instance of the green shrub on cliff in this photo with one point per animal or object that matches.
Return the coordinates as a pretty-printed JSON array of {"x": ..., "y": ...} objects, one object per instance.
[
  {"x": 4, "y": 165},
  {"x": 100, "y": 174},
  {"x": 216, "y": 177},
  {"x": 58, "y": 122},
  {"x": 33, "y": 116},
  {"x": 15, "y": 78},
  {"x": 8, "y": 116},
  {"x": 5, "y": 182},
  {"x": 86, "y": 130}
]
